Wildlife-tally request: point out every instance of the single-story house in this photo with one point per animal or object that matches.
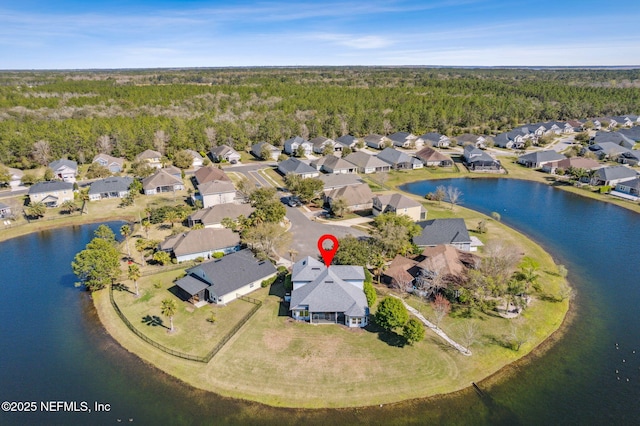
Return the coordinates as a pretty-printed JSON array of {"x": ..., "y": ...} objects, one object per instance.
[
  {"x": 201, "y": 243},
  {"x": 265, "y": 151},
  {"x": 113, "y": 164},
  {"x": 401, "y": 272},
  {"x": 432, "y": 158},
  {"x": 576, "y": 125},
  {"x": 65, "y": 170},
  {"x": 377, "y": 141},
  {"x": 5, "y": 211},
  {"x": 160, "y": 182},
  {"x": 332, "y": 182},
  {"x": 502, "y": 140},
  {"x": 398, "y": 204},
  {"x": 612, "y": 175},
  {"x": 332, "y": 296},
  {"x": 223, "y": 280},
  {"x": 629, "y": 189},
  {"x": 631, "y": 158},
  {"x": 151, "y": 157},
  {"x": 292, "y": 146},
  {"x": 614, "y": 137},
  {"x": 436, "y": 139},
  {"x": 347, "y": 141},
  {"x": 406, "y": 140},
  {"x": 198, "y": 160},
  {"x": 213, "y": 216},
  {"x": 52, "y": 193},
  {"x": 216, "y": 192},
  {"x": 540, "y": 158},
  {"x": 608, "y": 150},
  {"x": 633, "y": 133},
  {"x": 210, "y": 174},
  {"x": 111, "y": 187},
  {"x": 320, "y": 143},
  {"x": 357, "y": 197},
  {"x": 399, "y": 160},
  {"x": 367, "y": 163},
  {"x": 479, "y": 141},
  {"x": 295, "y": 166},
  {"x": 444, "y": 231},
  {"x": 572, "y": 162},
  {"x": 334, "y": 165},
  {"x": 479, "y": 161},
  {"x": 226, "y": 153}
]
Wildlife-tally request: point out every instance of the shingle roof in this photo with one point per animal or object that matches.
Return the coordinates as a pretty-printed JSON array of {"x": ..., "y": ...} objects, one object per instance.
[
  {"x": 346, "y": 140},
  {"x": 308, "y": 269},
  {"x": 443, "y": 259},
  {"x": 148, "y": 154},
  {"x": 393, "y": 156},
  {"x": 336, "y": 163},
  {"x": 210, "y": 173},
  {"x": 634, "y": 183},
  {"x": 216, "y": 187},
  {"x": 192, "y": 285},
  {"x": 615, "y": 137},
  {"x": 160, "y": 178},
  {"x": 428, "y": 154},
  {"x": 442, "y": 231},
  {"x": 109, "y": 159},
  {"x": 55, "y": 165},
  {"x": 398, "y": 201},
  {"x": 50, "y": 186},
  {"x": 365, "y": 161},
  {"x": 339, "y": 180},
  {"x": 215, "y": 214},
  {"x": 401, "y": 136},
  {"x": 538, "y": 157},
  {"x": 222, "y": 150},
  {"x": 293, "y": 165},
  {"x": 432, "y": 137},
  {"x": 615, "y": 172},
  {"x": 200, "y": 240},
  {"x": 355, "y": 194},
  {"x": 234, "y": 271},
  {"x": 608, "y": 148},
  {"x": 111, "y": 184}
]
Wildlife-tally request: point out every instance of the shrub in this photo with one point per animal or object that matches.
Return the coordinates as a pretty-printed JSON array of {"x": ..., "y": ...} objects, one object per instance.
[
  {"x": 217, "y": 255},
  {"x": 370, "y": 292},
  {"x": 413, "y": 331}
]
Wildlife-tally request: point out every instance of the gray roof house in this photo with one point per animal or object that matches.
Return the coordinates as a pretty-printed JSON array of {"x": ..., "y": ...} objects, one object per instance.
[
  {"x": 436, "y": 139},
  {"x": 606, "y": 150},
  {"x": 223, "y": 280},
  {"x": 160, "y": 182},
  {"x": 399, "y": 160},
  {"x": 226, "y": 153},
  {"x": 614, "y": 137},
  {"x": 201, "y": 243},
  {"x": 65, "y": 170},
  {"x": 631, "y": 158},
  {"x": 339, "y": 181},
  {"x": 632, "y": 133},
  {"x": 113, "y": 164},
  {"x": 295, "y": 166},
  {"x": 52, "y": 193},
  {"x": 347, "y": 141},
  {"x": 406, "y": 140},
  {"x": 629, "y": 189},
  {"x": 330, "y": 295},
  {"x": 444, "y": 231},
  {"x": 540, "y": 158},
  {"x": 479, "y": 161},
  {"x": 261, "y": 149},
  {"x": 320, "y": 143},
  {"x": 292, "y": 145},
  {"x": 112, "y": 187},
  {"x": 334, "y": 165},
  {"x": 5, "y": 210},
  {"x": 611, "y": 176},
  {"x": 502, "y": 141},
  {"x": 213, "y": 216},
  {"x": 479, "y": 141},
  {"x": 367, "y": 163},
  {"x": 377, "y": 141}
]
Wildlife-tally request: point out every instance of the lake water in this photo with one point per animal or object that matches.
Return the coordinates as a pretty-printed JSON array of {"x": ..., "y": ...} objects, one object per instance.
[{"x": 53, "y": 348}]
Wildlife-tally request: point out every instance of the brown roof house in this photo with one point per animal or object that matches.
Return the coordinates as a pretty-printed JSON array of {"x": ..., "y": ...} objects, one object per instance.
[
  {"x": 160, "y": 182},
  {"x": 201, "y": 243},
  {"x": 151, "y": 157},
  {"x": 573, "y": 162},
  {"x": 209, "y": 174},
  {"x": 358, "y": 197},
  {"x": 398, "y": 204},
  {"x": 431, "y": 157}
]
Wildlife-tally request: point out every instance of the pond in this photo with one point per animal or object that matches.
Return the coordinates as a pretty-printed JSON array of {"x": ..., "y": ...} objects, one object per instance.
[{"x": 55, "y": 349}]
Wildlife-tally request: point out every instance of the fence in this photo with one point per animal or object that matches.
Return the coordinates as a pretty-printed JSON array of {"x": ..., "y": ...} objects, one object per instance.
[{"x": 204, "y": 359}]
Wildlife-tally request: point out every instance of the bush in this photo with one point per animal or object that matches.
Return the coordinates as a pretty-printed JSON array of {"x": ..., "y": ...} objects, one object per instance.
[
  {"x": 217, "y": 255},
  {"x": 413, "y": 331},
  {"x": 268, "y": 282},
  {"x": 370, "y": 293},
  {"x": 391, "y": 313}
]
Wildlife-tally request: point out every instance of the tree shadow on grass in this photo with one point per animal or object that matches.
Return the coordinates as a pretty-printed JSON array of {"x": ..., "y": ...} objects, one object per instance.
[
  {"x": 389, "y": 337},
  {"x": 122, "y": 287},
  {"x": 501, "y": 341},
  {"x": 154, "y": 321}
]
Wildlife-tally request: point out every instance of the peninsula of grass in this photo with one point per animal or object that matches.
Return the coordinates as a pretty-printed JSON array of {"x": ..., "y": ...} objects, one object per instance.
[{"x": 277, "y": 361}]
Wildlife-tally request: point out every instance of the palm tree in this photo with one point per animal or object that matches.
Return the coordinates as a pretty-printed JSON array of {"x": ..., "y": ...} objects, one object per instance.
[
  {"x": 169, "y": 309},
  {"x": 141, "y": 246},
  {"x": 134, "y": 275},
  {"x": 514, "y": 289},
  {"x": 84, "y": 197},
  {"x": 171, "y": 216},
  {"x": 146, "y": 225},
  {"x": 379, "y": 263},
  {"x": 125, "y": 231},
  {"x": 68, "y": 206},
  {"x": 36, "y": 210}
]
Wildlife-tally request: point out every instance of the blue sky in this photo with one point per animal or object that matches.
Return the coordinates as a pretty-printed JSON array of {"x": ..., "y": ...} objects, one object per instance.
[{"x": 70, "y": 34}]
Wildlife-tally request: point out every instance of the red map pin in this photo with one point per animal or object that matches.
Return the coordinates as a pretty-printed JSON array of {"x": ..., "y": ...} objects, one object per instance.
[{"x": 327, "y": 254}]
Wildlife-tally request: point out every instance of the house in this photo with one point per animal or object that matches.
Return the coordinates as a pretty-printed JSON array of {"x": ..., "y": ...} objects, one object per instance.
[
  {"x": 113, "y": 164},
  {"x": 576, "y": 125},
  {"x": 334, "y": 165},
  {"x": 617, "y": 138},
  {"x": 502, "y": 141},
  {"x": 332, "y": 295},
  {"x": 295, "y": 166},
  {"x": 223, "y": 280},
  {"x": 432, "y": 158},
  {"x": 573, "y": 162},
  {"x": 210, "y": 174},
  {"x": 612, "y": 175},
  {"x": 348, "y": 141},
  {"x": 65, "y": 170},
  {"x": 357, "y": 197},
  {"x": 160, "y": 182},
  {"x": 631, "y": 158},
  {"x": 539, "y": 158},
  {"x": 479, "y": 161},
  {"x": 216, "y": 192},
  {"x": 151, "y": 157},
  {"x": 339, "y": 181},
  {"x": 225, "y": 153},
  {"x": 367, "y": 163},
  {"x": 198, "y": 160},
  {"x": 633, "y": 133},
  {"x": 406, "y": 140},
  {"x": 398, "y": 204},
  {"x": 377, "y": 141},
  {"x": 629, "y": 189},
  {"x": 320, "y": 143},
  {"x": 444, "y": 231},
  {"x": 173, "y": 171},
  {"x": 213, "y": 216},
  {"x": 112, "y": 187},
  {"x": 52, "y": 193},
  {"x": 399, "y": 160},
  {"x": 608, "y": 150},
  {"x": 401, "y": 272},
  {"x": 201, "y": 243},
  {"x": 265, "y": 151},
  {"x": 624, "y": 120},
  {"x": 436, "y": 139},
  {"x": 5, "y": 211},
  {"x": 479, "y": 141},
  {"x": 292, "y": 146}
]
